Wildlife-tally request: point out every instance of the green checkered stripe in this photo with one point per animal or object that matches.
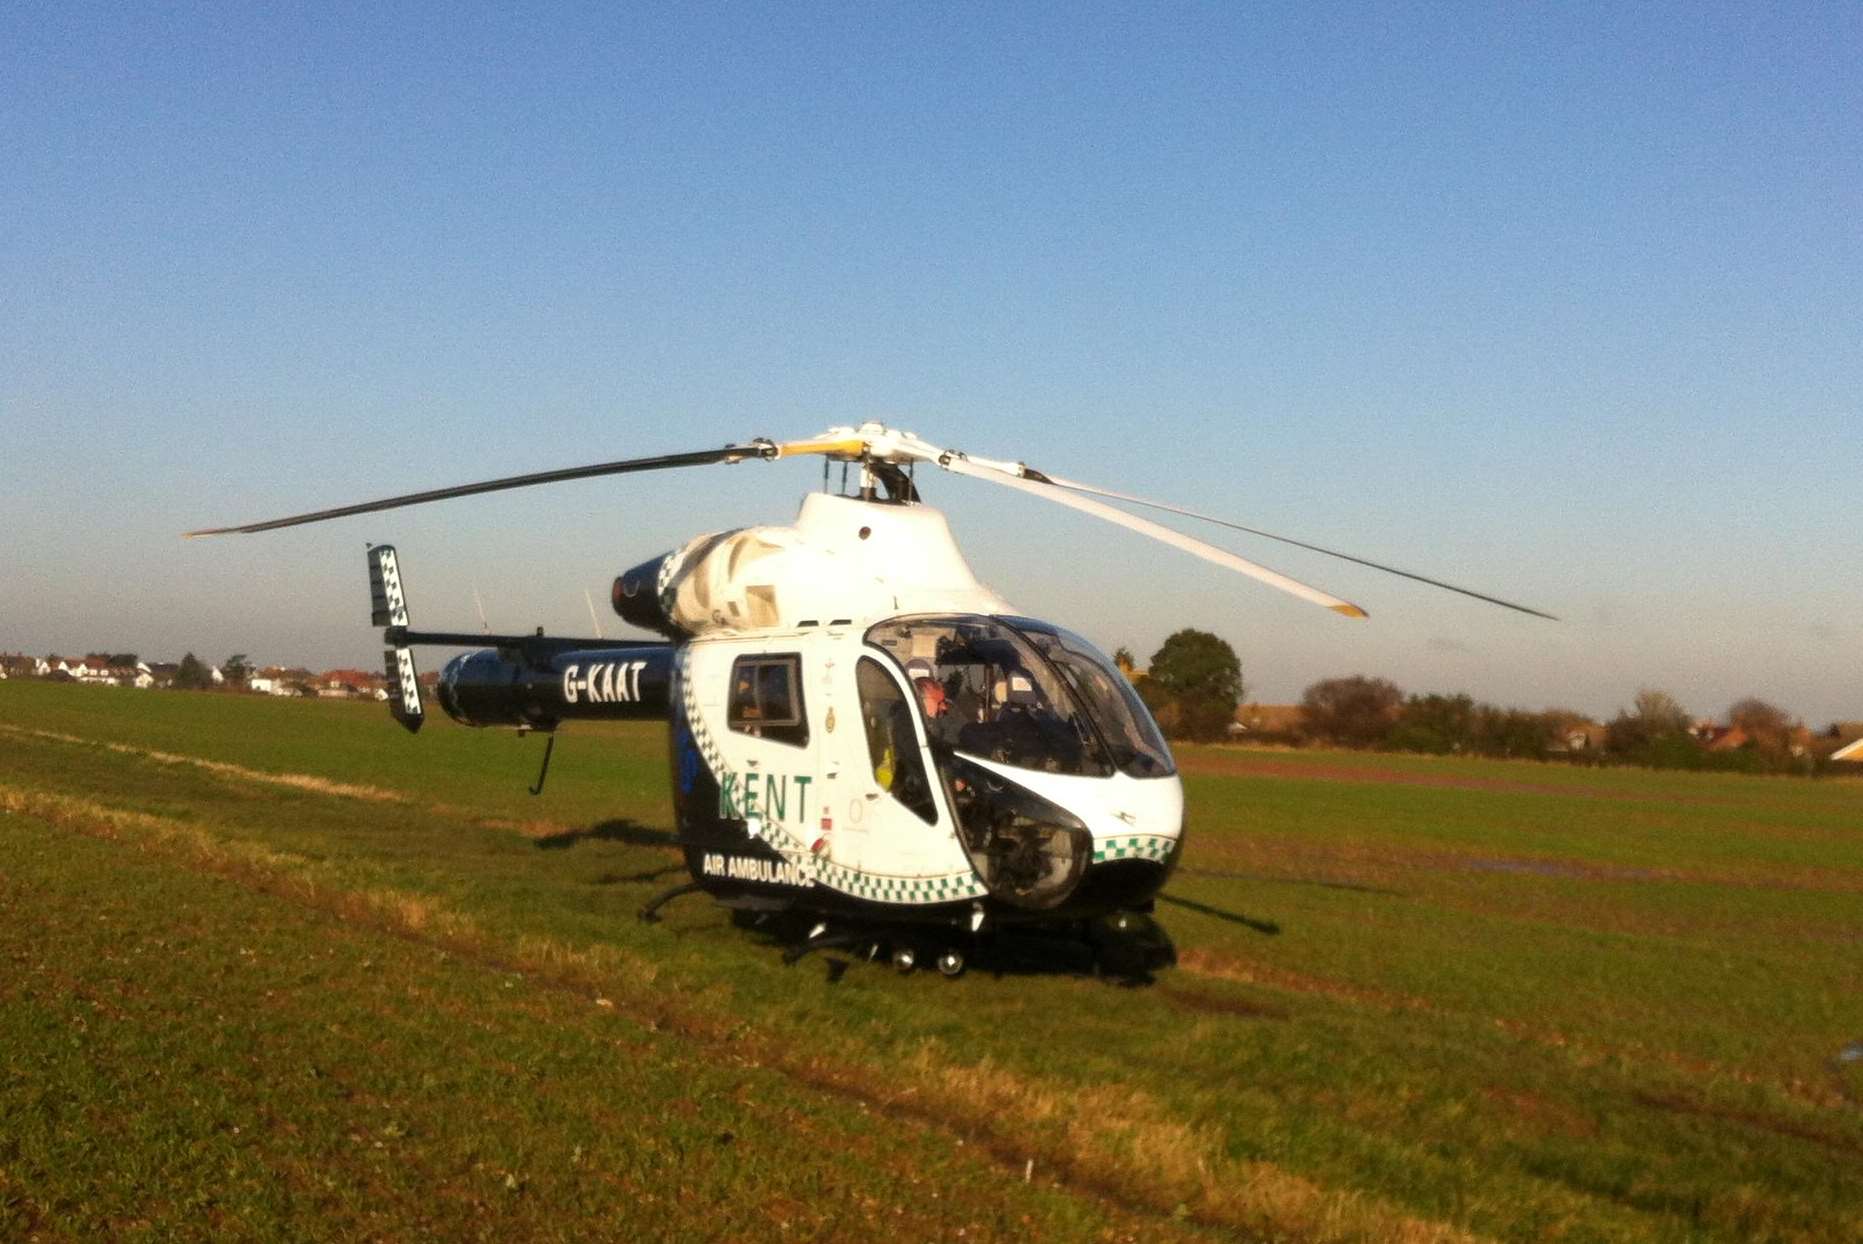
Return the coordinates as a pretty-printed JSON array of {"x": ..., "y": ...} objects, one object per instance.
[
  {"x": 663, "y": 589},
  {"x": 1134, "y": 847},
  {"x": 701, "y": 737},
  {"x": 882, "y": 889}
]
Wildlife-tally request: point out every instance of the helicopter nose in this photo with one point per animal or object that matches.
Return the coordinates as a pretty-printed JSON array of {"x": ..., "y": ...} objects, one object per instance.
[
  {"x": 1136, "y": 846},
  {"x": 1151, "y": 810}
]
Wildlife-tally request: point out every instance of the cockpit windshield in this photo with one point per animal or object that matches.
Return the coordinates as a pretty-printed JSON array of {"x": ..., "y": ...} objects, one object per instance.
[
  {"x": 1023, "y": 694},
  {"x": 1129, "y": 732},
  {"x": 986, "y": 692}
]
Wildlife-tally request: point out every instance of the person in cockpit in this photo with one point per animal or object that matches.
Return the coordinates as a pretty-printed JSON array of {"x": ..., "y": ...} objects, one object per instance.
[
  {"x": 1012, "y": 729},
  {"x": 932, "y": 702}
]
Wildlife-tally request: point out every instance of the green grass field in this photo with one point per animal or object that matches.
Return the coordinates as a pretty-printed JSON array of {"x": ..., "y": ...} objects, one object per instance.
[{"x": 274, "y": 969}]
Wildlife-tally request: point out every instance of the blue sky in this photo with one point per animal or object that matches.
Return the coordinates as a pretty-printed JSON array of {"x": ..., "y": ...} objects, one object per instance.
[{"x": 1565, "y": 305}]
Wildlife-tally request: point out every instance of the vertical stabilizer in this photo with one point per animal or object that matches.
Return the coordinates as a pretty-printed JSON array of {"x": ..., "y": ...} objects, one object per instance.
[{"x": 389, "y": 608}]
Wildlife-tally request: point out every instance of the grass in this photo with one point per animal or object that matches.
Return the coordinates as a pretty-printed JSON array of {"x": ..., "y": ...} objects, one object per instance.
[{"x": 1420, "y": 999}]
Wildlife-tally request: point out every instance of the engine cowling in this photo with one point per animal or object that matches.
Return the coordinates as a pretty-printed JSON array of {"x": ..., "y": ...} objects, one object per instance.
[{"x": 637, "y": 597}]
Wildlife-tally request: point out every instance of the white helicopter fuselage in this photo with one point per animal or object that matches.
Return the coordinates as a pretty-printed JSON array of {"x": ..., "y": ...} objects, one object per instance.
[{"x": 806, "y": 768}]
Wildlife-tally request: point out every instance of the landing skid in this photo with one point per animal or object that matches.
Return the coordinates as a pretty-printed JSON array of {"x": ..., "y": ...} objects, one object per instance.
[
  {"x": 650, "y": 914},
  {"x": 948, "y": 955},
  {"x": 1126, "y": 946}
]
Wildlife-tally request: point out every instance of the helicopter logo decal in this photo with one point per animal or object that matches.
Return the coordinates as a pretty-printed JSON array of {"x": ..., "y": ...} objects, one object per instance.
[
  {"x": 744, "y": 795},
  {"x": 750, "y": 868}
]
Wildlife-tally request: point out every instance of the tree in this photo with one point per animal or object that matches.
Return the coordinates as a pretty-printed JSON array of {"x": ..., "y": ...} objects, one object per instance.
[
  {"x": 192, "y": 675},
  {"x": 1354, "y": 712},
  {"x": 1661, "y": 712},
  {"x": 1654, "y": 732},
  {"x": 1197, "y": 678},
  {"x": 1435, "y": 723},
  {"x": 236, "y": 670},
  {"x": 1127, "y": 663},
  {"x": 1512, "y": 732},
  {"x": 1768, "y": 728}
]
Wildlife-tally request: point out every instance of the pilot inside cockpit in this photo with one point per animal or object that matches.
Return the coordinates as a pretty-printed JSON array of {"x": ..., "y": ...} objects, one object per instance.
[{"x": 1019, "y": 726}]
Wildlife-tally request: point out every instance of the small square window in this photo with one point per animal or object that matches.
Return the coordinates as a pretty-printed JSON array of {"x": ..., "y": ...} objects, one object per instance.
[{"x": 766, "y": 699}]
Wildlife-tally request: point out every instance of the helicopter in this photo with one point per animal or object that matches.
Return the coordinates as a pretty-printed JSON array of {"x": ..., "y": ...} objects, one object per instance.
[{"x": 867, "y": 746}]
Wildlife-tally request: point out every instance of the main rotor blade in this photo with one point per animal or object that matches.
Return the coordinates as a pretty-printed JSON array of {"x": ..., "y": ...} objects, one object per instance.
[
  {"x": 1039, "y": 486},
  {"x": 1255, "y": 531},
  {"x": 703, "y": 457}
]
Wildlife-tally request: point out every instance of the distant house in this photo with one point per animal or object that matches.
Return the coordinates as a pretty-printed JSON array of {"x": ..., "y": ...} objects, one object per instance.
[
  {"x": 1583, "y": 736},
  {"x": 279, "y": 680},
  {"x": 352, "y": 683},
  {"x": 127, "y": 671},
  {"x": 1719, "y": 738},
  {"x": 1268, "y": 722},
  {"x": 137, "y": 675},
  {"x": 1574, "y": 732}
]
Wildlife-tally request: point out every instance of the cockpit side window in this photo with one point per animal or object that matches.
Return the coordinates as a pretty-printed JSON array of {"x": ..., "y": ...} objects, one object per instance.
[
  {"x": 892, "y": 743},
  {"x": 766, "y": 699}
]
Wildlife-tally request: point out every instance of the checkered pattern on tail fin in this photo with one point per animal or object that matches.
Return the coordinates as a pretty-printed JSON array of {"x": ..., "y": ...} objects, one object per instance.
[
  {"x": 404, "y": 687},
  {"x": 388, "y": 606}
]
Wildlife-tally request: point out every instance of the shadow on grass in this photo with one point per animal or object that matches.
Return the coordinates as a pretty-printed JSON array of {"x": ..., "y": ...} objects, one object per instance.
[
  {"x": 633, "y": 833},
  {"x": 1267, "y": 928},
  {"x": 1226, "y": 875}
]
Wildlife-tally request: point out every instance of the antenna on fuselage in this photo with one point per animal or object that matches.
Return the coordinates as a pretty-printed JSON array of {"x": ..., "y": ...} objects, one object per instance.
[{"x": 484, "y": 626}]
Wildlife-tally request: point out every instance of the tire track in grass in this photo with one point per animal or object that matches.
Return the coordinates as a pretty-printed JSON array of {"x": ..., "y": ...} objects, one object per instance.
[
  {"x": 1112, "y": 1145},
  {"x": 298, "y": 781},
  {"x": 533, "y": 828}
]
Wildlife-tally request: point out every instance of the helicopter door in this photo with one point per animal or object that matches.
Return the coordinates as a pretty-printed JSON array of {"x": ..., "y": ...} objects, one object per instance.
[
  {"x": 767, "y": 716},
  {"x": 897, "y": 800}
]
